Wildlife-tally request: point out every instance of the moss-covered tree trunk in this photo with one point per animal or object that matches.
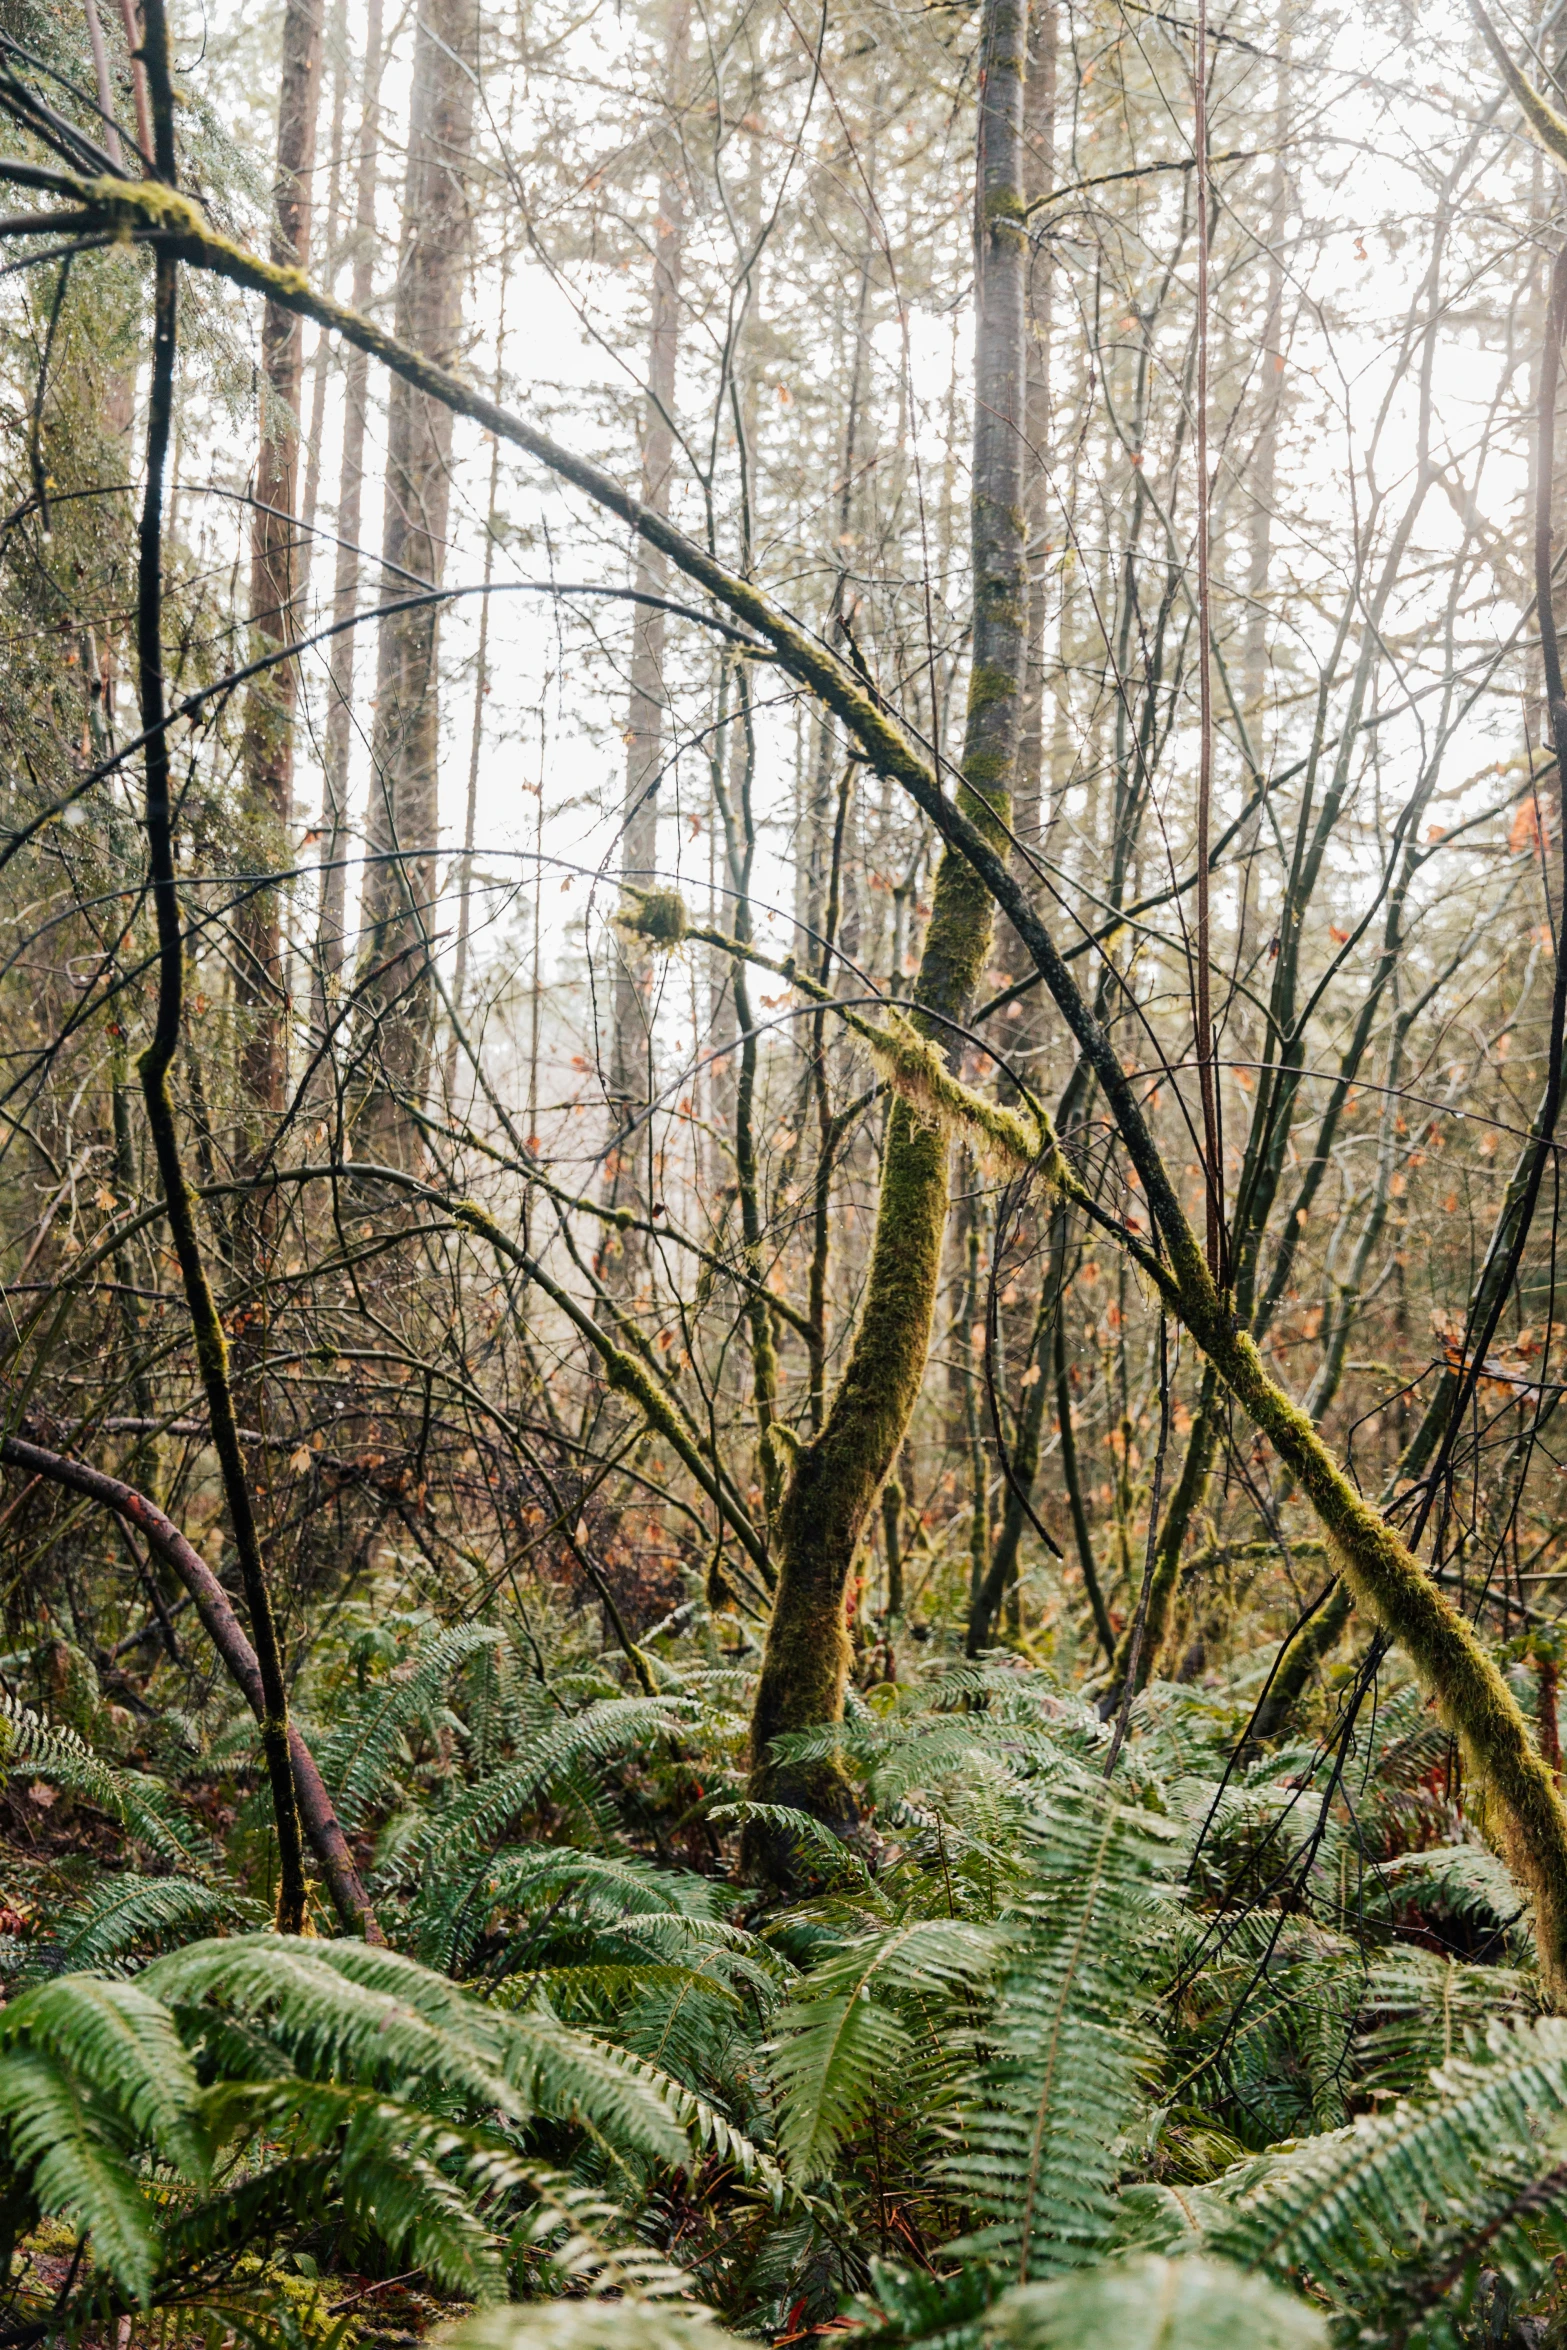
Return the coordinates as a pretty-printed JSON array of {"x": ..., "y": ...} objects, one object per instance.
[{"x": 838, "y": 1475}]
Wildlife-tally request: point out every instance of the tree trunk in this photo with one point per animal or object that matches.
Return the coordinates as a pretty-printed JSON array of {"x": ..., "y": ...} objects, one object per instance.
[
  {"x": 267, "y": 751},
  {"x": 1040, "y": 507},
  {"x": 328, "y": 960},
  {"x": 403, "y": 822},
  {"x": 630, "y": 1082},
  {"x": 331, "y": 251},
  {"x": 838, "y": 1475}
]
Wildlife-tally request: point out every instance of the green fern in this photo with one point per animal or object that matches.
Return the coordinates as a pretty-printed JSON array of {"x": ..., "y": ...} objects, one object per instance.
[
  {"x": 358, "y": 1759},
  {"x": 845, "y": 2034},
  {"x": 129, "y": 1911},
  {"x": 93, "y": 2072},
  {"x": 590, "y": 2325},
  {"x": 346, "y": 2011},
  {"x": 141, "y": 1806},
  {"x": 1156, "y": 2304},
  {"x": 348, "y": 2076},
  {"x": 587, "y": 1897},
  {"x": 1392, "y": 2211},
  {"x": 1038, "y": 2159},
  {"x": 474, "y": 1821}
]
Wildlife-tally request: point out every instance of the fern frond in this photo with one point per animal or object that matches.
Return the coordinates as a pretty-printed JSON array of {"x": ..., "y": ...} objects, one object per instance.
[
  {"x": 1418, "y": 2010},
  {"x": 51, "y": 1752},
  {"x": 1464, "y": 1880},
  {"x": 398, "y": 2189},
  {"x": 1372, "y": 2210},
  {"x": 54, "y": 2135},
  {"x": 476, "y": 1819},
  {"x": 841, "y": 2033},
  {"x": 129, "y": 1909},
  {"x": 357, "y": 1759},
  {"x": 349, "y": 2011},
  {"x": 1038, "y": 2157},
  {"x": 430, "y": 2190},
  {"x": 1157, "y": 2304},
  {"x": 590, "y": 2325},
  {"x": 705, "y": 2125},
  {"x": 119, "y": 2047},
  {"x": 904, "y": 2307},
  {"x": 401, "y": 2031},
  {"x": 574, "y": 1891},
  {"x": 572, "y": 2240},
  {"x": 839, "y": 1860},
  {"x": 599, "y": 1984}
]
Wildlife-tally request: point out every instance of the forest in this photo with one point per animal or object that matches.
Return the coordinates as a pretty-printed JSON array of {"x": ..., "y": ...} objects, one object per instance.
[{"x": 783, "y": 1013}]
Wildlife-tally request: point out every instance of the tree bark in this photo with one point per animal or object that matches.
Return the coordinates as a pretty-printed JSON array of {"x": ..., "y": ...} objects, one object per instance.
[
  {"x": 327, "y": 963},
  {"x": 629, "y": 1076},
  {"x": 336, "y": 38},
  {"x": 267, "y": 750},
  {"x": 1039, "y": 498},
  {"x": 404, "y": 816},
  {"x": 838, "y": 1475}
]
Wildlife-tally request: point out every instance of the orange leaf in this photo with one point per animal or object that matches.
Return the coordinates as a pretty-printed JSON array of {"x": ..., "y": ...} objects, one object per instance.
[{"x": 1527, "y": 830}]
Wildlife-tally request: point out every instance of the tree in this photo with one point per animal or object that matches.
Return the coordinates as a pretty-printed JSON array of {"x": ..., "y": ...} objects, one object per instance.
[
  {"x": 397, "y": 994},
  {"x": 268, "y": 748}
]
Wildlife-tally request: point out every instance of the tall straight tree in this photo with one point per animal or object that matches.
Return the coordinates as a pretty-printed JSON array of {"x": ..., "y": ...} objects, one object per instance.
[
  {"x": 837, "y": 1476},
  {"x": 268, "y": 747},
  {"x": 328, "y": 959},
  {"x": 645, "y": 716},
  {"x": 403, "y": 820}
]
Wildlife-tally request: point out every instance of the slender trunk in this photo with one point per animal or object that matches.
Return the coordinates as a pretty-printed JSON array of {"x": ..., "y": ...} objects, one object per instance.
[
  {"x": 838, "y": 1475},
  {"x": 156, "y": 1061},
  {"x": 327, "y": 963},
  {"x": 403, "y": 828},
  {"x": 133, "y": 42},
  {"x": 892, "y": 1499},
  {"x": 331, "y": 246},
  {"x": 1262, "y": 473},
  {"x": 973, "y": 1432},
  {"x": 267, "y": 748},
  {"x": 481, "y": 686},
  {"x": 1078, "y": 1506},
  {"x": 1191, "y": 1489},
  {"x": 1041, "y": 496},
  {"x": 630, "y": 1080}
]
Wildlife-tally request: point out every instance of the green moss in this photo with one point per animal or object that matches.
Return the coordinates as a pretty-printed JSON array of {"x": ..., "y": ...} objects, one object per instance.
[
  {"x": 987, "y": 685},
  {"x": 1307, "y": 1650},
  {"x": 838, "y": 1476},
  {"x": 656, "y": 916},
  {"x": 1524, "y": 1808}
]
